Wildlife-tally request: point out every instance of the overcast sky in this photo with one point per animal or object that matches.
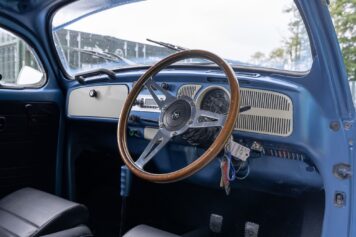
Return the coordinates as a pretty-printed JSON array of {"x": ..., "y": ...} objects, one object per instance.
[{"x": 234, "y": 29}]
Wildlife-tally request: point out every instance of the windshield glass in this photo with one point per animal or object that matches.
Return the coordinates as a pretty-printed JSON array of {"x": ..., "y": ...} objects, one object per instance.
[{"x": 254, "y": 33}]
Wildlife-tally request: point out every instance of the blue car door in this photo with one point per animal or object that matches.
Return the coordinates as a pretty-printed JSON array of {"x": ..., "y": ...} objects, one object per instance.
[{"x": 30, "y": 115}]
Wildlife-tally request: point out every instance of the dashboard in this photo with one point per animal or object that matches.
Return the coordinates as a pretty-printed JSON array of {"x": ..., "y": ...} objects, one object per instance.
[
  {"x": 270, "y": 121},
  {"x": 270, "y": 112}
]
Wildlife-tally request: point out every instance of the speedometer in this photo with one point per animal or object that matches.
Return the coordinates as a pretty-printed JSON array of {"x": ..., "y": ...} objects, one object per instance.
[{"x": 216, "y": 100}]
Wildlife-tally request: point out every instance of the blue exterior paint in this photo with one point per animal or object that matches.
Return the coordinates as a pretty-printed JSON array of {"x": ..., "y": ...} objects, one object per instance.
[{"x": 337, "y": 221}]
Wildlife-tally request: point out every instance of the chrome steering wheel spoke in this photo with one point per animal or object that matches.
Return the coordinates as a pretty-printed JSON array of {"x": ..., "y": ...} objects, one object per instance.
[
  {"x": 177, "y": 115},
  {"x": 217, "y": 120},
  {"x": 152, "y": 87},
  {"x": 161, "y": 138}
]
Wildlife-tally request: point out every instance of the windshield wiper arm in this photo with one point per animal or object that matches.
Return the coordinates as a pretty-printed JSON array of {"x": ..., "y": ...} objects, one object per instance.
[{"x": 168, "y": 45}]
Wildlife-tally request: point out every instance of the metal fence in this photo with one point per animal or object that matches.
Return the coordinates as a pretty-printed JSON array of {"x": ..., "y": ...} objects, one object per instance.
[
  {"x": 14, "y": 54},
  {"x": 9, "y": 60},
  {"x": 74, "y": 42}
]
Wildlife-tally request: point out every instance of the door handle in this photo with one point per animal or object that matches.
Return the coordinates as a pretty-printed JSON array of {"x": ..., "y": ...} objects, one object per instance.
[{"x": 2, "y": 123}]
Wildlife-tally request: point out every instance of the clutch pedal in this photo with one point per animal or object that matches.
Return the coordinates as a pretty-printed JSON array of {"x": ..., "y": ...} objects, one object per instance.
[
  {"x": 251, "y": 229},
  {"x": 215, "y": 223}
]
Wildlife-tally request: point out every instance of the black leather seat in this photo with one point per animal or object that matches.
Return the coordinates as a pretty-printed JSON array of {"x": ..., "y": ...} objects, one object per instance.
[
  {"x": 31, "y": 213},
  {"x": 148, "y": 231}
]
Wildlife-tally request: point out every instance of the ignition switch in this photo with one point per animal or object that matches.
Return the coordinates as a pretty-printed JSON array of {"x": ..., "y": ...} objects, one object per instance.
[{"x": 134, "y": 133}]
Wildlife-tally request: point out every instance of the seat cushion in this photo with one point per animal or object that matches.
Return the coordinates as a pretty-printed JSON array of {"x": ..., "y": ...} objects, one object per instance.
[
  {"x": 79, "y": 231},
  {"x": 148, "y": 231},
  {"x": 30, "y": 213}
]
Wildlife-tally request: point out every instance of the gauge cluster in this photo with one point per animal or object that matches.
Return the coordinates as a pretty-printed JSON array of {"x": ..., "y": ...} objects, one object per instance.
[
  {"x": 214, "y": 99},
  {"x": 270, "y": 112}
]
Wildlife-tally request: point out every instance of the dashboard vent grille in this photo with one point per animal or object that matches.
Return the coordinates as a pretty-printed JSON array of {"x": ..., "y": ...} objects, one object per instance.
[
  {"x": 150, "y": 103},
  {"x": 264, "y": 99},
  {"x": 271, "y": 113},
  {"x": 188, "y": 90},
  {"x": 285, "y": 154}
]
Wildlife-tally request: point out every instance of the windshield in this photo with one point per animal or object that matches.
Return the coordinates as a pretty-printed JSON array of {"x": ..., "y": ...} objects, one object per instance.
[{"x": 254, "y": 33}]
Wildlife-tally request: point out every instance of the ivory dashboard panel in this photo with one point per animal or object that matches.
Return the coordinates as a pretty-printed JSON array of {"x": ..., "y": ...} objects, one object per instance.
[{"x": 97, "y": 101}]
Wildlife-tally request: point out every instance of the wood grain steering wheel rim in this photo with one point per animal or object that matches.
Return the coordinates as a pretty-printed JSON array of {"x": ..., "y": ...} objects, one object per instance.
[{"x": 215, "y": 147}]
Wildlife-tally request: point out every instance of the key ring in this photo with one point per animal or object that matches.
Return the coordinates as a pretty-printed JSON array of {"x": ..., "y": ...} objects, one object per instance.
[
  {"x": 230, "y": 167},
  {"x": 245, "y": 176}
]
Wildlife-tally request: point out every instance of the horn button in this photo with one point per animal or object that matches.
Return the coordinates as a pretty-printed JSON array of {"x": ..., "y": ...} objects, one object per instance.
[{"x": 177, "y": 115}]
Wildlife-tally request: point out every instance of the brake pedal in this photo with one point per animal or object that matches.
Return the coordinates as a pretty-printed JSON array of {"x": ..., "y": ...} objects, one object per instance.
[
  {"x": 251, "y": 229},
  {"x": 215, "y": 223}
]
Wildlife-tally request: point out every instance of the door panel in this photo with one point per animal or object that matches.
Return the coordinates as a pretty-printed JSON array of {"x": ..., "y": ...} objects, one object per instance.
[
  {"x": 28, "y": 140},
  {"x": 31, "y": 105}
]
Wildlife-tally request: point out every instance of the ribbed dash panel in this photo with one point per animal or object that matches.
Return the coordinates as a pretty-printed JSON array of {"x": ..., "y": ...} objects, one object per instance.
[
  {"x": 264, "y": 99},
  {"x": 271, "y": 113},
  {"x": 188, "y": 90}
]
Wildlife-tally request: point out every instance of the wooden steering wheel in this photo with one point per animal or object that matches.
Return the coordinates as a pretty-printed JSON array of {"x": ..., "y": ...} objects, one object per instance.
[{"x": 177, "y": 116}]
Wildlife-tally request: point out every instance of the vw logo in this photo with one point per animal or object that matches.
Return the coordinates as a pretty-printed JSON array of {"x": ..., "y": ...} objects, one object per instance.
[{"x": 175, "y": 115}]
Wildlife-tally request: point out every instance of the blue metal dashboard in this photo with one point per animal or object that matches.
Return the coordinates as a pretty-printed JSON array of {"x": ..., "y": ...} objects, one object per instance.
[{"x": 288, "y": 164}]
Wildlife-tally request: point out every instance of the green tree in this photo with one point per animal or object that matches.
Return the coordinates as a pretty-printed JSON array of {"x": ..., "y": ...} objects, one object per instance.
[
  {"x": 297, "y": 45},
  {"x": 278, "y": 58},
  {"x": 277, "y": 53},
  {"x": 344, "y": 16},
  {"x": 258, "y": 58},
  {"x": 294, "y": 51},
  {"x": 293, "y": 44}
]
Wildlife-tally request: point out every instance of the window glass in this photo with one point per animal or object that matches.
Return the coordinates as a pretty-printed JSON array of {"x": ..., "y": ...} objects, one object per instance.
[
  {"x": 18, "y": 64},
  {"x": 254, "y": 33}
]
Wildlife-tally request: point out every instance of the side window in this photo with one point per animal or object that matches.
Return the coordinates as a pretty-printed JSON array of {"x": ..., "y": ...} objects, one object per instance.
[{"x": 19, "y": 67}]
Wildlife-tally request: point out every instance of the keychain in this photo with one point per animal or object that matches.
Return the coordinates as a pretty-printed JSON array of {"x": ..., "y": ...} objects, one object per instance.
[
  {"x": 228, "y": 171},
  {"x": 224, "y": 181}
]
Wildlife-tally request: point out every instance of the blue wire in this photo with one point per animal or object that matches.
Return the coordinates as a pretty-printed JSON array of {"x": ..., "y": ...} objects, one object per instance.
[{"x": 230, "y": 167}]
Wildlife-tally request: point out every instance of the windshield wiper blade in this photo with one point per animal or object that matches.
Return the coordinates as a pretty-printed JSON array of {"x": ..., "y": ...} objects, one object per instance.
[
  {"x": 168, "y": 45},
  {"x": 104, "y": 55},
  {"x": 125, "y": 60},
  {"x": 97, "y": 54}
]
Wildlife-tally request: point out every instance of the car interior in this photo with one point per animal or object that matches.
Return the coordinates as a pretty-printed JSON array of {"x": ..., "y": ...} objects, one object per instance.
[{"x": 123, "y": 133}]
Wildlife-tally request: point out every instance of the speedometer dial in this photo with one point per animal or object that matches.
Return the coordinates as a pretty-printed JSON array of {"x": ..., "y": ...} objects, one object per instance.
[{"x": 216, "y": 100}]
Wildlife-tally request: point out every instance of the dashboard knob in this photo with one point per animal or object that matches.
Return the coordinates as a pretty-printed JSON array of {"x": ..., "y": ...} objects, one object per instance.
[
  {"x": 93, "y": 93},
  {"x": 165, "y": 86}
]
